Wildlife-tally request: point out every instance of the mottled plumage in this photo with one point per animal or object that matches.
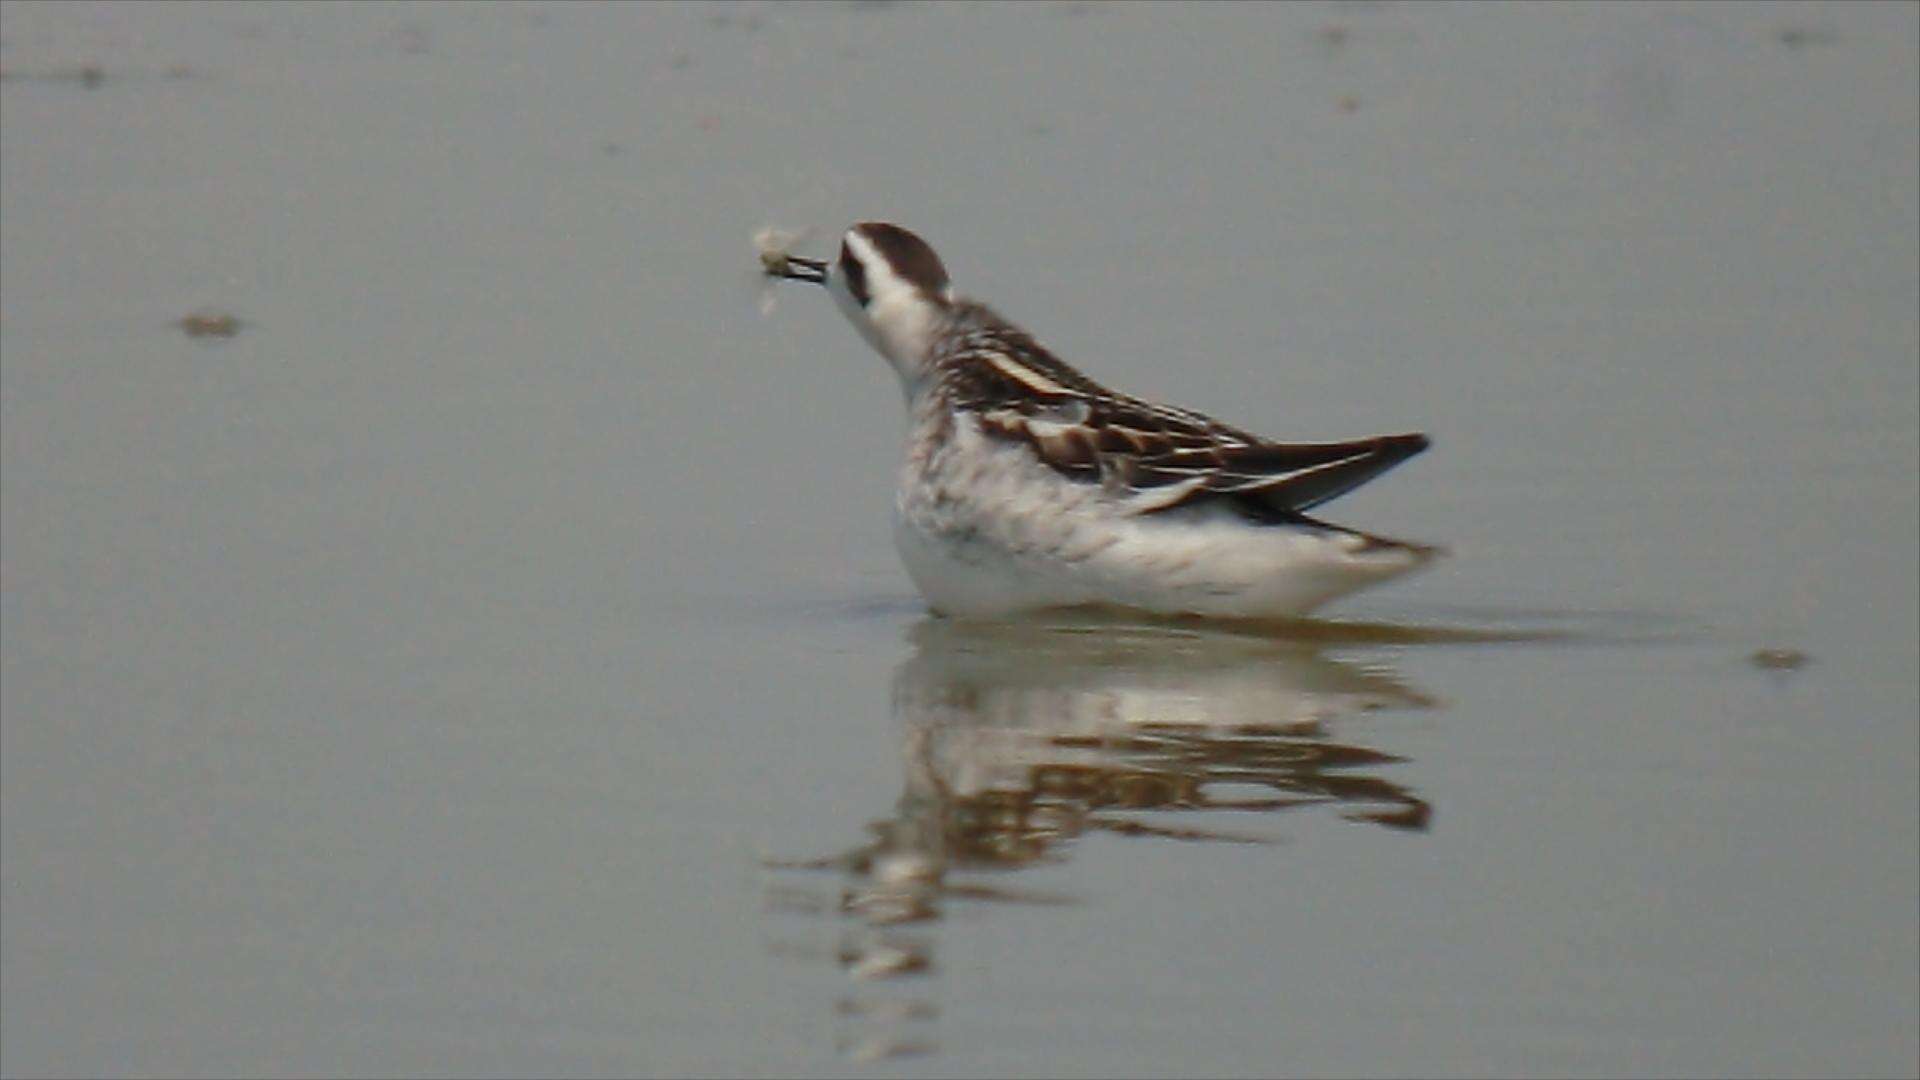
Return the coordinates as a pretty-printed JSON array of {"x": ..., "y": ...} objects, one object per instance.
[
  {"x": 1162, "y": 456},
  {"x": 1027, "y": 484}
]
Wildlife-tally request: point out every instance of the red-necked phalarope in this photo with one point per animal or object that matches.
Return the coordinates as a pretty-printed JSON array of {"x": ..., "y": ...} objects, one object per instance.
[{"x": 1028, "y": 485}]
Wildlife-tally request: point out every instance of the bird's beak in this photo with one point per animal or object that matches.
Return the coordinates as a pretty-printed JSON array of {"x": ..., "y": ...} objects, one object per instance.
[{"x": 796, "y": 268}]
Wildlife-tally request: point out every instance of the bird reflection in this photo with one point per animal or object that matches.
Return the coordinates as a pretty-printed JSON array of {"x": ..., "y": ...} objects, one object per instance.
[{"x": 1020, "y": 738}]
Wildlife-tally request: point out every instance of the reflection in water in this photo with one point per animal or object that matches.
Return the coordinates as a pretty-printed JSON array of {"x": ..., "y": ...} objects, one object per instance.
[{"x": 1020, "y": 738}]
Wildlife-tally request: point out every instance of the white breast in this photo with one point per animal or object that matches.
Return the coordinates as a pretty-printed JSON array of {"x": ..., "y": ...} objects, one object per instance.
[{"x": 986, "y": 529}]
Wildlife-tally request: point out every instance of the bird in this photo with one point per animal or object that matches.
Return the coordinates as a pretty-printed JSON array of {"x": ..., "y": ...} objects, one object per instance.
[{"x": 1028, "y": 486}]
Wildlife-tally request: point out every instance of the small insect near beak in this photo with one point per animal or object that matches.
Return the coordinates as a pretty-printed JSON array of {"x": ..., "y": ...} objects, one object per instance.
[{"x": 795, "y": 267}]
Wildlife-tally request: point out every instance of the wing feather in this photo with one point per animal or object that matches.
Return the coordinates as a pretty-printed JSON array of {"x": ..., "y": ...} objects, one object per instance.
[
  {"x": 1180, "y": 458},
  {"x": 1156, "y": 457}
]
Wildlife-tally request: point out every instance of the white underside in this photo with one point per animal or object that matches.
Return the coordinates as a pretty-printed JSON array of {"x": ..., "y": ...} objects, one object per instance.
[{"x": 984, "y": 530}]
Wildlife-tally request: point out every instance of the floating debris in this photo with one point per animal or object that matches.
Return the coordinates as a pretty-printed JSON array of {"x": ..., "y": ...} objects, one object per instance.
[
  {"x": 88, "y": 76},
  {"x": 1802, "y": 37},
  {"x": 94, "y": 76},
  {"x": 209, "y": 324},
  {"x": 1779, "y": 659}
]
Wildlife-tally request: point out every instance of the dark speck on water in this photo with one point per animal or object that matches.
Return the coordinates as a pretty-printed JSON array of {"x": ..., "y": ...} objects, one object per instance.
[
  {"x": 1801, "y": 37},
  {"x": 1779, "y": 659},
  {"x": 92, "y": 76},
  {"x": 209, "y": 324},
  {"x": 89, "y": 76}
]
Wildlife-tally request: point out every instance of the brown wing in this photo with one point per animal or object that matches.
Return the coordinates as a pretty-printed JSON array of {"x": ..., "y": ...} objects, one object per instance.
[{"x": 1172, "y": 457}]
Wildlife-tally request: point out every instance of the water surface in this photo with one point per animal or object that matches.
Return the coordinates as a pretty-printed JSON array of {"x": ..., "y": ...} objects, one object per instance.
[{"x": 485, "y": 654}]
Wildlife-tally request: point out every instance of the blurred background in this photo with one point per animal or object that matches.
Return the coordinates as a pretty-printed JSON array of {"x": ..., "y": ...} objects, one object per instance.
[{"x": 451, "y": 625}]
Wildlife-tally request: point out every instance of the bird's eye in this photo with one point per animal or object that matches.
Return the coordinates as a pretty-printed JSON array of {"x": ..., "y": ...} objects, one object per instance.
[{"x": 855, "y": 274}]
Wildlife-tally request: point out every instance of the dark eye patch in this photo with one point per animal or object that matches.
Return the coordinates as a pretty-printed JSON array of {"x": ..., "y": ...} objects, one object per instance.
[{"x": 856, "y": 276}]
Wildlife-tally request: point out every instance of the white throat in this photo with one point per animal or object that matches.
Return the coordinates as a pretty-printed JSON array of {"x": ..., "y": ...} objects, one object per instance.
[{"x": 899, "y": 320}]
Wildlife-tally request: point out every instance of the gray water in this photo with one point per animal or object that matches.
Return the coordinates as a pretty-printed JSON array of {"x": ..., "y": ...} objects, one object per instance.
[{"x": 487, "y": 656}]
